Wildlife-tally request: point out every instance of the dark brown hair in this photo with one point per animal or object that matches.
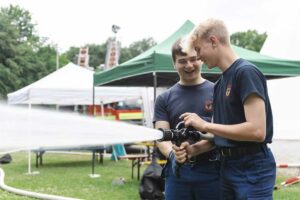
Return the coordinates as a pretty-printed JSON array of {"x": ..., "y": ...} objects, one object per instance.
[{"x": 177, "y": 49}]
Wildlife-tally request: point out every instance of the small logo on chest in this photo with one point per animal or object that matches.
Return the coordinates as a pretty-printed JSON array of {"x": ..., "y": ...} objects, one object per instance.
[
  {"x": 228, "y": 89},
  {"x": 208, "y": 106}
]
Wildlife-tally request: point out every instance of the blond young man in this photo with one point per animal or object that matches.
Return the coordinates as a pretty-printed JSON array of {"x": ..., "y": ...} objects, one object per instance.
[{"x": 242, "y": 116}]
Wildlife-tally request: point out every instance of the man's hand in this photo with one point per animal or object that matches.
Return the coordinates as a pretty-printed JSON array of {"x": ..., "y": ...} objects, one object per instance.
[
  {"x": 182, "y": 152},
  {"x": 193, "y": 120}
]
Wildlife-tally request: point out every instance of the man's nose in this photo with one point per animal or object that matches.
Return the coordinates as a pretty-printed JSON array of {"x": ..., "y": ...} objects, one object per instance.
[{"x": 189, "y": 63}]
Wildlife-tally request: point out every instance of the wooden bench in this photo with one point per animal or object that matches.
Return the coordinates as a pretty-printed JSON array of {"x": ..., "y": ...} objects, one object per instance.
[
  {"x": 136, "y": 160},
  {"x": 148, "y": 145}
]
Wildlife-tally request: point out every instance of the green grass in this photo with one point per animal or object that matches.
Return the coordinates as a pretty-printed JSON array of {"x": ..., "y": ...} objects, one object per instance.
[
  {"x": 67, "y": 175},
  {"x": 287, "y": 193}
]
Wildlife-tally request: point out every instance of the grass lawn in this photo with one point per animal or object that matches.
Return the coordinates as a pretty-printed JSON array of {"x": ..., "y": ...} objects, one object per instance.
[{"x": 67, "y": 175}]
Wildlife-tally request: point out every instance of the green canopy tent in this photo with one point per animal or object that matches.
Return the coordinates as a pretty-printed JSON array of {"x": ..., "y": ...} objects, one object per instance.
[{"x": 154, "y": 67}]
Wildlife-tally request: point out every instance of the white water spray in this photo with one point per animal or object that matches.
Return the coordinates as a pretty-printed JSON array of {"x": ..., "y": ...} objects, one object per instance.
[{"x": 25, "y": 129}]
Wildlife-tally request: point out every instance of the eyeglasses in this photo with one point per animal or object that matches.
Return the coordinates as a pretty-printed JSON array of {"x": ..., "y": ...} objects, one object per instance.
[{"x": 184, "y": 61}]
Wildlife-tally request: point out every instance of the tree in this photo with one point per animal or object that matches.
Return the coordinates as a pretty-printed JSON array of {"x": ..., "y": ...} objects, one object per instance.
[
  {"x": 21, "y": 19},
  {"x": 23, "y": 56},
  {"x": 250, "y": 39},
  {"x": 136, "y": 48},
  {"x": 47, "y": 54},
  {"x": 9, "y": 69},
  {"x": 97, "y": 53},
  {"x": 72, "y": 54}
]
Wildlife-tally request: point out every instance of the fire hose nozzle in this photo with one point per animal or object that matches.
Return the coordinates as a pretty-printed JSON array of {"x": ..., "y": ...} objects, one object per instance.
[{"x": 183, "y": 134}]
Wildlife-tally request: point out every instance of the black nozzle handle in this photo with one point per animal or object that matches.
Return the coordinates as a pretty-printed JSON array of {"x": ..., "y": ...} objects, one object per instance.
[{"x": 205, "y": 136}]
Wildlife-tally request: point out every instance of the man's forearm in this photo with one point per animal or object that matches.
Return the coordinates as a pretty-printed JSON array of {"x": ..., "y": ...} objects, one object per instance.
[
  {"x": 165, "y": 148},
  {"x": 201, "y": 147},
  {"x": 245, "y": 131}
]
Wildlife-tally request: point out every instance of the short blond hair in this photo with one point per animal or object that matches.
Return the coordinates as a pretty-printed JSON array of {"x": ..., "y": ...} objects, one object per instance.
[{"x": 204, "y": 30}]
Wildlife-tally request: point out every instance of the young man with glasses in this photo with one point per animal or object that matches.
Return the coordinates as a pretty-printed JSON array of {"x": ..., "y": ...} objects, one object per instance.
[
  {"x": 242, "y": 116},
  {"x": 199, "y": 177}
]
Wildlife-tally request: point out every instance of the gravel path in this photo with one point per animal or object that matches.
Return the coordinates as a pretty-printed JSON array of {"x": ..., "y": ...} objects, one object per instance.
[{"x": 287, "y": 152}]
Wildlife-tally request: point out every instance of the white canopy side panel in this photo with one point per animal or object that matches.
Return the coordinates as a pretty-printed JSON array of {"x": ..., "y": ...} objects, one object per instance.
[{"x": 285, "y": 100}]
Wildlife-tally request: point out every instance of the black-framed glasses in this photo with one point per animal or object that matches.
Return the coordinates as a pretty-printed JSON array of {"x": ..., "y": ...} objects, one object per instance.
[{"x": 184, "y": 61}]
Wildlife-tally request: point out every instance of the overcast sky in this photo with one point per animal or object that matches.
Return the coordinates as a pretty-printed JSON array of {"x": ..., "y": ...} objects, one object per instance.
[{"x": 76, "y": 23}]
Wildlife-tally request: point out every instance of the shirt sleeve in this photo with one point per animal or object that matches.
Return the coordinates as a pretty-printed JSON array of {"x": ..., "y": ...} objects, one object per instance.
[
  {"x": 160, "y": 109},
  {"x": 250, "y": 81}
]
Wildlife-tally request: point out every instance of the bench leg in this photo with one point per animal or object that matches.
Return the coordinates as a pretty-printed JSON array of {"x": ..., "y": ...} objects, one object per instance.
[
  {"x": 138, "y": 168},
  {"x": 132, "y": 167},
  {"x": 39, "y": 158},
  {"x": 36, "y": 159},
  {"x": 93, "y": 163},
  {"x": 101, "y": 158}
]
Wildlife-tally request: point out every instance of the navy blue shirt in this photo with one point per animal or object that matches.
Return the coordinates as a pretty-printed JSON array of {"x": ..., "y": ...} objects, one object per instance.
[
  {"x": 237, "y": 83},
  {"x": 180, "y": 99}
]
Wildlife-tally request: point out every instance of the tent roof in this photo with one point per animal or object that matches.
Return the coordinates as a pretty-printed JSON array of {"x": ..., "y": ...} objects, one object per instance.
[
  {"x": 70, "y": 85},
  {"x": 139, "y": 70}
]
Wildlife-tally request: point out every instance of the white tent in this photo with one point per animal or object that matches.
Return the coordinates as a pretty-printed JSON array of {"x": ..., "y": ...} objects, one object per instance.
[
  {"x": 285, "y": 100},
  {"x": 70, "y": 85}
]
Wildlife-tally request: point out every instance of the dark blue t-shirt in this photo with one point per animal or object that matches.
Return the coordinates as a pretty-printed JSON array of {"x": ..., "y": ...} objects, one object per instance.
[
  {"x": 238, "y": 82},
  {"x": 180, "y": 99}
]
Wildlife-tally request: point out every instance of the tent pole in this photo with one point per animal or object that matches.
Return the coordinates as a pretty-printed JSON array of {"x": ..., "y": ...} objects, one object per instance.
[
  {"x": 102, "y": 109},
  {"x": 154, "y": 86},
  {"x": 29, "y": 151},
  {"x": 29, "y": 172},
  {"x": 154, "y": 99}
]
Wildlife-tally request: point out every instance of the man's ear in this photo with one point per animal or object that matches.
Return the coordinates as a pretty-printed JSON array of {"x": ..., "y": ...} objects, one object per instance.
[
  {"x": 174, "y": 64},
  {"x": 214, "y": 40},
  {"x": 175, "y": 68}
]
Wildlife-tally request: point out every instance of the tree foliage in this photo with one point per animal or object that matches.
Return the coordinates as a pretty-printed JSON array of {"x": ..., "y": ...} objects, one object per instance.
[
  {"x": 21, "y": 20},
  {"x": 24, "y": 57},
  {"x": 97, "y": 53},
  {"x": 136, "y": 48},
  {"x": 250, "y": 39}
]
